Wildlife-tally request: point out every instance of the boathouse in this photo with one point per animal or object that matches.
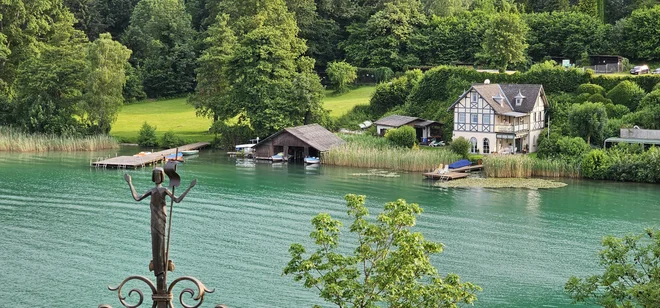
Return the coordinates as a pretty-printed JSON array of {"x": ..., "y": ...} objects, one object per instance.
[{"x": 298, "y": 142}]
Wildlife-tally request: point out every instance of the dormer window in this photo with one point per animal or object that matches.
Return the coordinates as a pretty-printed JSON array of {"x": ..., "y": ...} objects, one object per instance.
[
  {"x": 498, "y": 98},
  {"x": 519, "y": 98}
]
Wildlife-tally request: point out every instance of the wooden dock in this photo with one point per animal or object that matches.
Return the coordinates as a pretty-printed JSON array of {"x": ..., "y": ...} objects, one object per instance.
[
  {"x": 453, "y": 174},
  {"x": 146, "y": 160}
]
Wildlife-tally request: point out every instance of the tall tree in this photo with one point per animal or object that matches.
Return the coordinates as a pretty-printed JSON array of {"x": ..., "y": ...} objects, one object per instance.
[
  {"x": 161, "y": 38},
  {"x": 387, "y": 38},
  {"x": 505, "y": 40},
  {"x": 211, "y": 98},
  {"x": 105, "y": 82},
  {"x": 640, "y": 34},
  {"x": 268, "y": 73},
  {"x": 588, "y": 120},
  {"x": 391, "y": 264}
]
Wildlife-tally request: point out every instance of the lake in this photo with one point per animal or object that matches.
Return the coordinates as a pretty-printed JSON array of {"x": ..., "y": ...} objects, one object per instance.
[{"x": 67, "y": 231}]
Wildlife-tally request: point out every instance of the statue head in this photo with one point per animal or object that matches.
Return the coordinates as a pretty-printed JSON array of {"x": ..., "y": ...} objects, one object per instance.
[{"x": 157, "y": 175}]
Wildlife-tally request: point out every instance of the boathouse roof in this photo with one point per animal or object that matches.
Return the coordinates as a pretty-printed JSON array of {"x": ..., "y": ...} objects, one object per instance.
[{"x": 314, "y": 135}]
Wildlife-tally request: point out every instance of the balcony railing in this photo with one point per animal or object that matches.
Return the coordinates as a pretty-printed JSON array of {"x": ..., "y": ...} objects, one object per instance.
[{"x": 510, "y": 128}]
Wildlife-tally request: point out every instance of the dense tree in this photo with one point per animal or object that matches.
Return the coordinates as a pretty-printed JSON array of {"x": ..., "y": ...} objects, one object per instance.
[
  {"x": 639, "y": 34},
  {"x": 388, "y": 37},
  {"x": 588, "y": 121},
  {"x": 505, "y": 41},
  {"x": 445, "y": 7},
  {"x": 105, "y": 81},
  {"x": 453, "y": 38},
  {"x": 391, "y": 264},
  {"x": 341, "y": 74},
  {"x": 211, "y": 98},
  {"x": 161, "y": 38},
  {"x": 272, "y": 83},
  {"x": 631, "y": 273},
  {"x": 565, "y": 34},
  {"x": 389, "y": 95},
  {"x": 626, "y": 93},
  {"x": 548, "y": 5}
]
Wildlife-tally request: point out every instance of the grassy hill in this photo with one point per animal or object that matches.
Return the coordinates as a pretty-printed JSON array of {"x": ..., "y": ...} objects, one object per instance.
[{"x": 176, "y": 115}]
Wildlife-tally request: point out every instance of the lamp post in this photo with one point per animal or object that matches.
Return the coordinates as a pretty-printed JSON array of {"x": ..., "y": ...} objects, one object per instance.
[{"x": 161, "y": 292}]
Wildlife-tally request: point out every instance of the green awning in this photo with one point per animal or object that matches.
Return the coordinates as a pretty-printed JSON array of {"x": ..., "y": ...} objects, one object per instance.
[{"x": 632, "y": 140}]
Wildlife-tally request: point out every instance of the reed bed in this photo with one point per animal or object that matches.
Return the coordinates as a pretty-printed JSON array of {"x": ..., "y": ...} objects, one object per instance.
[
  {"x": 519, "y": 166},
  {"x": 16, "y": 141},
  {"x": 361, "y": 155}
]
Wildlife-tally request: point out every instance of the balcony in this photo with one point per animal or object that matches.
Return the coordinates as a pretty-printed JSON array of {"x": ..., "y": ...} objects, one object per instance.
[{"x": 510, "y": 128}]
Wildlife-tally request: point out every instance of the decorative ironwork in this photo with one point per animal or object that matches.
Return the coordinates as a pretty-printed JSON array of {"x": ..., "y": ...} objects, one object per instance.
[{"x": 161, "y": 292}]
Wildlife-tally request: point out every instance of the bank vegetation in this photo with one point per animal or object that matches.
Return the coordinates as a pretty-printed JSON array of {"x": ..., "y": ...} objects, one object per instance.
[{"x": 14, "y": 140}]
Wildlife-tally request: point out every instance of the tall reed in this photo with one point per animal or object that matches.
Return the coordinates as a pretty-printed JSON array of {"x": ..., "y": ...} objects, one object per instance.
[
  {"x": 359, "y": 154},
  {"x": 14, "y": 140},
  {"x": 519, "y": 166}
]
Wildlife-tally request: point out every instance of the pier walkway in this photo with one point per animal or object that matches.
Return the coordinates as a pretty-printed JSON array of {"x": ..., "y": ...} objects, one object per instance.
[
  {"x": 453, "y": 174},
  {"x": 142, "y": 161}
]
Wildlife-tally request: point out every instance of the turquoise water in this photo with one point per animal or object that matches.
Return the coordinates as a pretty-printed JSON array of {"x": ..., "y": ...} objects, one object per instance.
[{"x": 68, "y": 231}]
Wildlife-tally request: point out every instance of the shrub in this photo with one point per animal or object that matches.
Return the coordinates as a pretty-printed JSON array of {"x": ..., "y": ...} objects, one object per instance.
[
  {"x": 656, "y": 87},
  {"x": 616, "y": 111},
  {"x": 383, "y": 74},
  {"x": 403, "y": 136},
  {"x": 394, "y": 93},
  {"x": 556, "y": 78},
  {"x": 590, "y": 88},
  {"x": 341, "y": 74},
  {"x": 598, "y": 98},
  {"x": 460, "y": 146},
  {"x": 226, "y": 136},
  {"x": 170, "y": 140},
  {"x": 650, "y": 100},
  {"x": 626, "y": 93},
  {"x": 147, "y": 136},
  {"x": 595, "y": 165},
  {"x": 566, "y": 148}
]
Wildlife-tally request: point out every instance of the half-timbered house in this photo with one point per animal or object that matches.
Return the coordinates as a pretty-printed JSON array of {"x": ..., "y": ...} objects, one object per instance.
[{"x": 500, "y": 118}]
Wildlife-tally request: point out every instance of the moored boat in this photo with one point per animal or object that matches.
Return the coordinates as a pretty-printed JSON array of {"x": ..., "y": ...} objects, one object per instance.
[
  {"x": 174, "y": 157},
  {"x": 279, "y": 157},
  {"x": 312, "y": 160},
  {"x": 189, "y": 152}
]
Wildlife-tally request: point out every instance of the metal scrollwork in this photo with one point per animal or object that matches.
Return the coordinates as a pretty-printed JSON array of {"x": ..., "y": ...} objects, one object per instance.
[
  {"x": 201, "y": 290},
  {"x": 122, "y": 298}
]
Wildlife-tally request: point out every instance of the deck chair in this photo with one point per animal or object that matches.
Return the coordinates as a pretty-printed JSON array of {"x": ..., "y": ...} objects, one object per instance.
[{"x": 443, "y": 170}]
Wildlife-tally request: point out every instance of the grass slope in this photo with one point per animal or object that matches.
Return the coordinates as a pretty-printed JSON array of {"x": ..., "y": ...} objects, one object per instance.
[
  {"x": 176, "y": 115},
  {"x": 171, "y": 114}
]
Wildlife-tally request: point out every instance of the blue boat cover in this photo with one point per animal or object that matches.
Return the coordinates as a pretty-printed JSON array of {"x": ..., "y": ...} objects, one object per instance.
[{"x": 459, "y": 164}]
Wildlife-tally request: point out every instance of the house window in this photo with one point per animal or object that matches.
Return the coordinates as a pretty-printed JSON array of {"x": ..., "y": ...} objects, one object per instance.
[
  {"x": 534, "y": 116},
  {"x": 475, "y": 118},
  {"x": 475, "y": 97},
  {"x": 473, "y": 148},
  {"x": 487, "y": 146},
  {"x": 518, "y": 101},
  {"x": 461, "y": 117},
  {"x": 486, "y": 119}
]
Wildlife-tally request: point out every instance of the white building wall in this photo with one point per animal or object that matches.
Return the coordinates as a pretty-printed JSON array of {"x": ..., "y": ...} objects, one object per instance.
[{"x": 480, "y": 139}]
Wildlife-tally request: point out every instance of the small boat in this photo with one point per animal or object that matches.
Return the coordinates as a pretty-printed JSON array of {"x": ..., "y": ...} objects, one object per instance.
[
  {"x": 189, "y": 152},
  {"x": 279, "y": 157},
  {"x": 172, "y": 156},
  {"x": 312, "y": 160}
]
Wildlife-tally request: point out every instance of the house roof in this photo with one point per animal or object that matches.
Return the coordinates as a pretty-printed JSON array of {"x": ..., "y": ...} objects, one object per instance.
[
  {"x": 426, "y": 123},
  {"x": 313, "y": 134},
  {"x": 508, "y": 92},
  {"x": 396, "y": 120}
]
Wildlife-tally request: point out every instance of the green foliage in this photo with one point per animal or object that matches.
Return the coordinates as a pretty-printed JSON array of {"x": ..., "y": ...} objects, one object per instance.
[
  {"x": 211, "y": 97},
  {"x": 170, "y": 140},
  {"x": 647, "y": 117},
  {"x": 590, "y": 88},
  {"x": 391, "y": 264},
  {"x": 564, "y": 148},
  {"x": 588, "y": 121},
  {"x": 227, "y": 136},
  {"x": 383, "y": 74},
  {"x": 615, "y": 111},
  {"x": 403, "y": 136},
  {"x": 630, "y": 277},
  {"x": 505, "y": 41},
  {"x": 646, "y": 82},
  {"x": 626, "y": 93},
  {"x": 387, "y": 38},
  {"x": 161, "y": 38},
  {"x": 341, "y": 75},
  {"x": 650, "y": 100},
  {"x": 555, "y": 78},
  {"x": 147, "y": 136},
  {"x": 656, "y": 87},
  {"x": 599, "y": 98},
  {"x": 394, "y": 93},
  {"x": 595, "y": 165},
  {"x": 460, "y": 146},
  {"x": 105, "y": 83},
  {"x": 459, "y": 37},
  {"x": 565, "y": 34},
  {"x": 638, "y": 34},
  {"x": 133, "y": 90}
]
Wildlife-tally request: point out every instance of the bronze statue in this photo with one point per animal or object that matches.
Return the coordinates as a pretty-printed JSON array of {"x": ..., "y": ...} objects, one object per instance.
[{"x": 158, "y": 221}]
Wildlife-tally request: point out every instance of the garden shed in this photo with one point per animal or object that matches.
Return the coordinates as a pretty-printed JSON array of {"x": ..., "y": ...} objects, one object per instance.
[
  {"x": 298, "y": 142},
  {"x": 424, "y": 129}
]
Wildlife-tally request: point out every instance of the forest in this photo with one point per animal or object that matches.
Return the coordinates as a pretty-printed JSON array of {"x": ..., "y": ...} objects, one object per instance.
[{"x": 69, "y": 65}]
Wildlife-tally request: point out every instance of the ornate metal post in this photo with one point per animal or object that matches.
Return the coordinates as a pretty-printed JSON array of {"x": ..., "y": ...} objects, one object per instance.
[{"x": 161, "y": 292}]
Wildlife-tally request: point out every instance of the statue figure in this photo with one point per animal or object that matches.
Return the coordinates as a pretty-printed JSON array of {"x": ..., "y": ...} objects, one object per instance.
[{"x": 158, "y": 221}]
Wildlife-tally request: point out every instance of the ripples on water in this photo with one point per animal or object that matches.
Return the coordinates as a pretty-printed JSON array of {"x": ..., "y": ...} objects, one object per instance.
[{"x": 68, "y": 231}]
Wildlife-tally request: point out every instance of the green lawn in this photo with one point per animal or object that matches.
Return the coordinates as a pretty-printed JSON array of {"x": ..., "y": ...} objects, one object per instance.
[
  {"x": 171, "y": 114},
  {"x": 339, "y": 105},
  {"x": 176, "y": 115}
]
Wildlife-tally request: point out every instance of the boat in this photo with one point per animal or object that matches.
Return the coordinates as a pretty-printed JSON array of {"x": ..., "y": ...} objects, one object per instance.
[
  {"x": 246, "y": 150},
  {"x": 189, "y": 152},
  {"x": 174, "y": 157},
  {"x": 312, "y": 160},
  {"x": 279, "y": 157}
]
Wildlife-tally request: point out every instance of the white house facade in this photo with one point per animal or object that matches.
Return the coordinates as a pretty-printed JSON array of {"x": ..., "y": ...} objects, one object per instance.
[{"x": 500, "y": 118}]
